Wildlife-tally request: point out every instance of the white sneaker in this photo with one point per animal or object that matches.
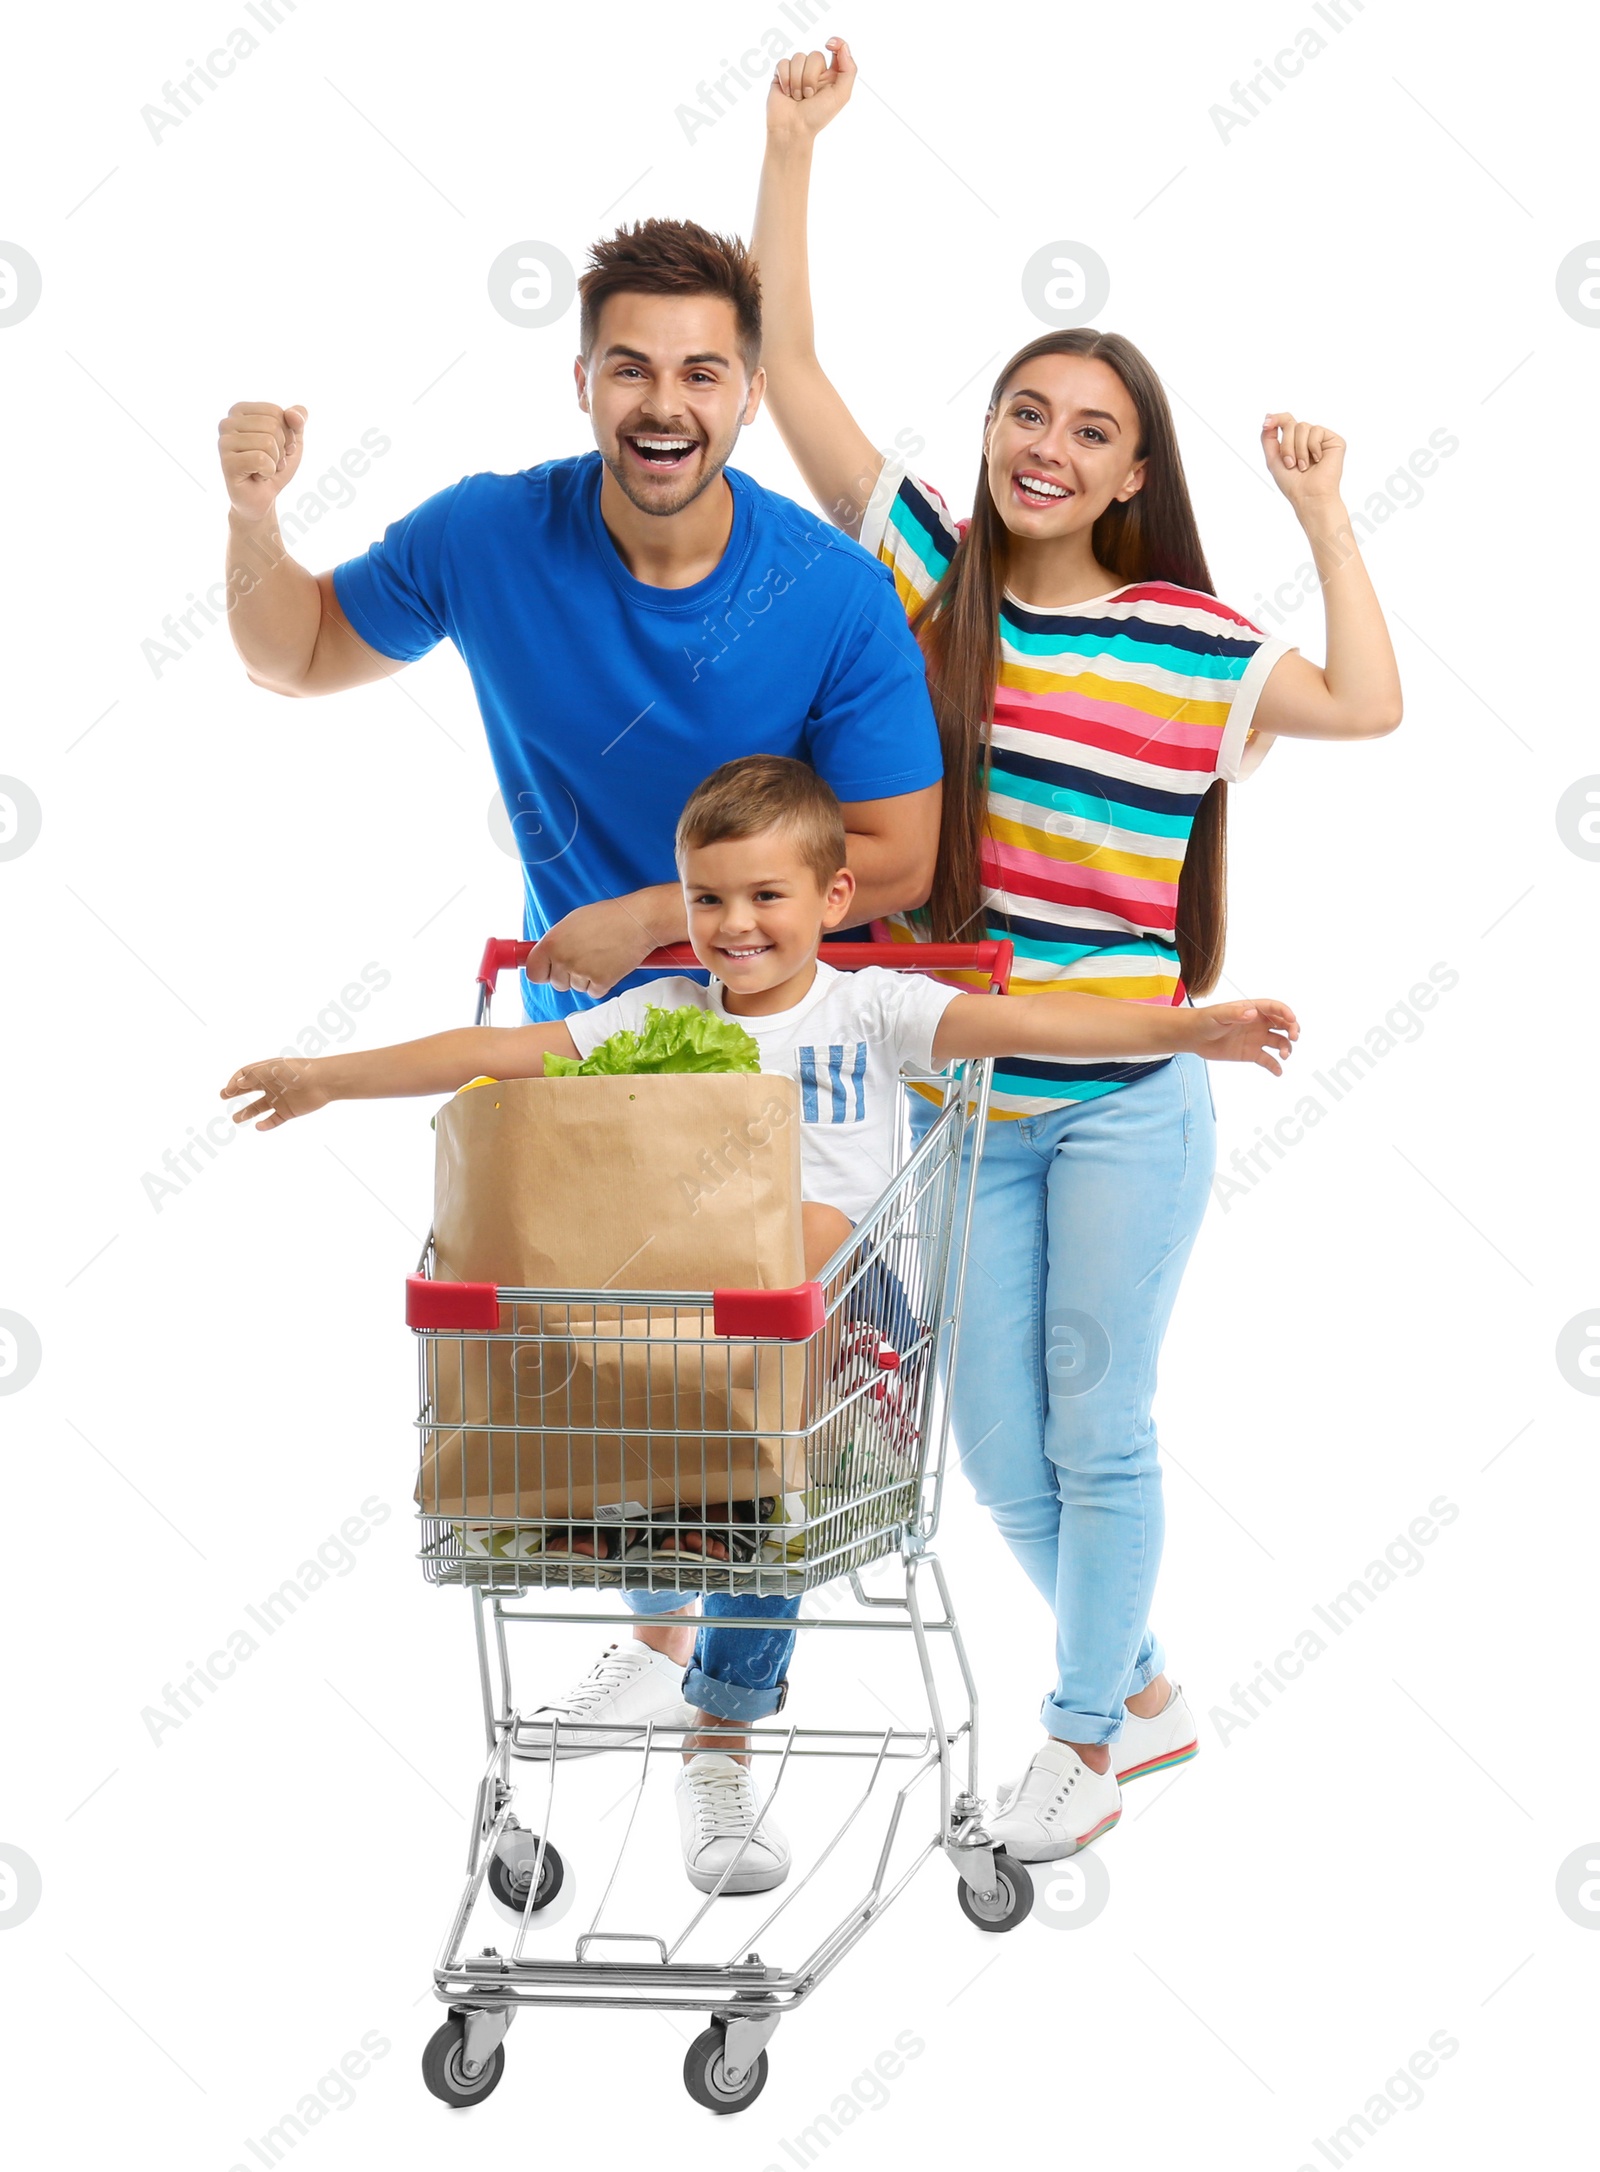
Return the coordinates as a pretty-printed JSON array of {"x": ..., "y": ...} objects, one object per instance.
[
  {"x": 716, "y": 1813},
  {"x": 1057, "y": 1807},
  {"x": 630, "y": 1683},
  {"x": 1144, "y": 1745},
  {"x": 1151, "y": 1745}
]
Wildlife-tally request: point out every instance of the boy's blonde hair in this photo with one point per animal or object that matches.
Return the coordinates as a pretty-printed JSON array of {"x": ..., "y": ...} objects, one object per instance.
[{"x": 767, "y": 792}]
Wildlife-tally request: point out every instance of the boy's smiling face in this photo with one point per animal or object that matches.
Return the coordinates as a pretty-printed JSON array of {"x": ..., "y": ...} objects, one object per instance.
[{"x": 757, "y": 912}]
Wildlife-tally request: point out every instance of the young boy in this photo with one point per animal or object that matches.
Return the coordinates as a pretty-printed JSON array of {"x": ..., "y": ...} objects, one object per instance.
[{"x": 761, "y": 853}]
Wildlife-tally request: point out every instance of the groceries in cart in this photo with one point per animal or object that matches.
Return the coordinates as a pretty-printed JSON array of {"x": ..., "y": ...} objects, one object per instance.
[
  {"x": 597, "y": 1183},
  {"x": 772, "y": 1528},
  {"x": 631, "y": 1148},
  {"x": 609, "y": 1427}
]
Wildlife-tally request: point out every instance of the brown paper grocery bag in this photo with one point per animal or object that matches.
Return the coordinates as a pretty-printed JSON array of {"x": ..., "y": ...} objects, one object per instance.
[{"x": 677, "y": 1182}]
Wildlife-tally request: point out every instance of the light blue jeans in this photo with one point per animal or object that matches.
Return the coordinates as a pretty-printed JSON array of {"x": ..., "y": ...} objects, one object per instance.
[
  {"x": 1083, "y": 1222},
  {"x": 737, "y": 1674}
]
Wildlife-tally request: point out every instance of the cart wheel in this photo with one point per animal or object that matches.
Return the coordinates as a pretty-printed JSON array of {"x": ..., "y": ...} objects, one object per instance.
[
  {"x": 443, "y": 2073},
  {"x": 1011, "y": 1901},
  {"x": 509, "y": 1883},
  {"x": 705, "y": 2078}
]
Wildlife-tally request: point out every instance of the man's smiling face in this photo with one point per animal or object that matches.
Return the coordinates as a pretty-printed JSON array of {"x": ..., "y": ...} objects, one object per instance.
[{"x": 668, "y": 392}]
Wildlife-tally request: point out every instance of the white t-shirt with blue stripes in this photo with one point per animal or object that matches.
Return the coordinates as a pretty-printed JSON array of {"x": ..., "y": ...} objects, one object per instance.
[{"x": 844, "y": 1045}]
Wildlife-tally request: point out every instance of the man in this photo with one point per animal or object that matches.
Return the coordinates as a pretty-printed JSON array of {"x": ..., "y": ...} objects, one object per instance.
[{"x": 632, "y": 618}]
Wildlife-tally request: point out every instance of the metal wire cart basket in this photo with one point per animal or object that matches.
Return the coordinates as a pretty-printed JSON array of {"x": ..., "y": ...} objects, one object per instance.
[{"x": 843, "y": 1385}]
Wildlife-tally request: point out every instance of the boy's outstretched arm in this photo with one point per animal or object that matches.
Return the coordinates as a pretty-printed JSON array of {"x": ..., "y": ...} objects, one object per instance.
[
  {"x": 296, "y": 1085},
  {"x": 1065, "y": 1025}
]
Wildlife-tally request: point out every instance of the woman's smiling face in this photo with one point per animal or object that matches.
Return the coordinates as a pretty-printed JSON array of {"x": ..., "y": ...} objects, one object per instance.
[{"x": 1061, "y": 445}]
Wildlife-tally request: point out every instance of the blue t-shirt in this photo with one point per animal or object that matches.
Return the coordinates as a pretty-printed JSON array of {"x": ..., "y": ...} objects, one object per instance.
[{"x": 607, "y": 701}]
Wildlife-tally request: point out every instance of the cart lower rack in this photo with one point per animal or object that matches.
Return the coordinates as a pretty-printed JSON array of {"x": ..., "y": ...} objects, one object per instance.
[{"x": 847, "y": 1378}]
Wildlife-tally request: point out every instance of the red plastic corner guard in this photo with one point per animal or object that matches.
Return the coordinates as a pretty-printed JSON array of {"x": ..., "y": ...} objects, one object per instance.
[
  {"x": 788, "y": 1315},
  {"x": 500, "y": 953},
  {"x": 451, "y": 1305}
]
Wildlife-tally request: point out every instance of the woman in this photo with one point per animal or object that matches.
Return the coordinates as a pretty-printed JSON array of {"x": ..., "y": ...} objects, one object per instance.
[{"x": 1094, "y": 699}]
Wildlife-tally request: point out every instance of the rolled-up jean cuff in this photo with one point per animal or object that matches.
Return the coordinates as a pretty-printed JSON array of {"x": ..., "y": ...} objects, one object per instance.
[
  {"x": 1077, "y": 1726},
  {"x": 1088, "y": 1727},
  {"x": 658, "y": 1602},
  {"x": 729, "y": 1700}
]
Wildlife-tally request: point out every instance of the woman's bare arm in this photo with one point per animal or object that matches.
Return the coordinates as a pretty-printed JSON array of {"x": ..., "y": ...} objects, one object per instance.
[
  {"x": 826, "y": 443},
  {"x": 1356, "y": 694}
]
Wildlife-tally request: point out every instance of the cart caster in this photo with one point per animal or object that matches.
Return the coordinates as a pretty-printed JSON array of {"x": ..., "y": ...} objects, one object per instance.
[
  {"x": 705, "y": 2074},
  {"x": 508, "y": 1882},
  {"x": 1005, "y": 1908},
  {"x": 444, "y": 2071}
]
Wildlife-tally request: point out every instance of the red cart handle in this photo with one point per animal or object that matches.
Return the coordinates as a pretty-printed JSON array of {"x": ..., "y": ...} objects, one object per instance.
[{"x": 502, "y": 952}]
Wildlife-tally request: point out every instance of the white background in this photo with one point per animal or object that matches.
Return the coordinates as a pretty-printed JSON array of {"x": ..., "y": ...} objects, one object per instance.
[{"x": 225, "y": 1378}]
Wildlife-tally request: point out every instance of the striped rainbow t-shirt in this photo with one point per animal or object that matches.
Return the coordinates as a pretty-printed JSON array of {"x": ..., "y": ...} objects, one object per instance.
[{"x": 1111, "y": 719}]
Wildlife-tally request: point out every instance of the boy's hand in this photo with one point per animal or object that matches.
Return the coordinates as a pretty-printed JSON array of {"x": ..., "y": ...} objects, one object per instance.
[
  {"x": 809, "y": 90},
  {"x": 1257, "y": 1031},
  {"x": 288, "y": 1086}
]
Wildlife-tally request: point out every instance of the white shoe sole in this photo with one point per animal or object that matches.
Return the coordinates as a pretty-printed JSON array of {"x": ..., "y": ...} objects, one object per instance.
[
  {"x": 1062, "y": 1848},
  {"x": 1179, "y": 1756}
]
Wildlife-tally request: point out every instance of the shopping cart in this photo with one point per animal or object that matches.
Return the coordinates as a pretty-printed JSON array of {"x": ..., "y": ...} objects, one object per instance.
[{"x": 848, "y": 1376}]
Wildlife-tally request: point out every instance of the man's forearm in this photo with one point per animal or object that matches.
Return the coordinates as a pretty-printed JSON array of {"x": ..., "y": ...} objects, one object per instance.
[
  {"x": 883, "y": 883},
  {"x": 892, "y": 859},
  {"x": 894, "y": 870},
  {"x": 660, "y": 913},
  {"x": 274, "y": 607},
  {"x": 882, "y": 886}
]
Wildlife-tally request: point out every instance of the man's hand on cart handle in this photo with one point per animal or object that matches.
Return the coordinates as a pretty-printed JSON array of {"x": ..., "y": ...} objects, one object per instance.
[{"x": 591, "y": 949}]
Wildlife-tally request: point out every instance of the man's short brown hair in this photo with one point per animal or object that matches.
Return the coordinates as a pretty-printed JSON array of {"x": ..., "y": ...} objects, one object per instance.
[
  {"x": 767, "y": 792},
  {"x": 672, "y": 256}
]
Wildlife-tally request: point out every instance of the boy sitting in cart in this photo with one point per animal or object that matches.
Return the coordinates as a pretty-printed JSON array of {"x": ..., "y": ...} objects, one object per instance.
[{"x": 761, "y": 854}]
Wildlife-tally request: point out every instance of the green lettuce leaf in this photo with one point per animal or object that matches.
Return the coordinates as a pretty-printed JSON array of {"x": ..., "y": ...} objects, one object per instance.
[{"x": 687, "y": 1039}]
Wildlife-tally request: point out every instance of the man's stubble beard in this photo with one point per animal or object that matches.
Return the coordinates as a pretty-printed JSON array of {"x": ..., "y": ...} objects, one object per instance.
[{"x": 616, "y": 470}]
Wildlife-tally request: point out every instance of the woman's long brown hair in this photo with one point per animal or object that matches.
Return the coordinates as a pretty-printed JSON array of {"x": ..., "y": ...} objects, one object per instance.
[{"x": 1149, "y": 537}]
